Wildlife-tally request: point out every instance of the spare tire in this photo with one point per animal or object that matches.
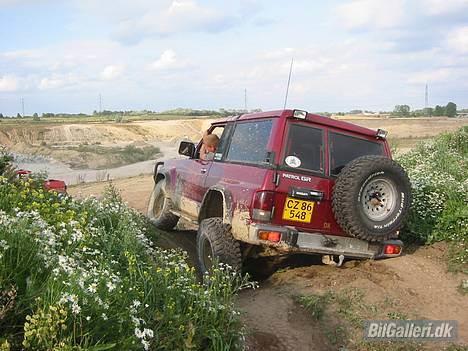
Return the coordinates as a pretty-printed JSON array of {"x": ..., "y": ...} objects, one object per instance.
[{"x": 371, "y": 198}]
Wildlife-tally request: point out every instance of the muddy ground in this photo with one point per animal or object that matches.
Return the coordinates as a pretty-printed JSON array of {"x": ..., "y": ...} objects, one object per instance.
[{"x": 414, "y": 286}]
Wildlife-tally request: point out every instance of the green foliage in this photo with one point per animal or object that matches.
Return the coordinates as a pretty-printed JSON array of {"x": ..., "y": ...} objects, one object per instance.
[
  {"x": 314, "y": 304},
  {"x": 6, "y": 168},
  {"x": 402, "y": 110},
  {"x": 439, "y": 176},
  {"x": 451, "y": 109},
  {"x": 83, "y": 275},
  {"x": 439, "y": 111}
]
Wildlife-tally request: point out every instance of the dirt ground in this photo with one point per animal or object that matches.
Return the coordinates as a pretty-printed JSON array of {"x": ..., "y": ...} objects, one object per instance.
[{"x": 414, "y": 286}]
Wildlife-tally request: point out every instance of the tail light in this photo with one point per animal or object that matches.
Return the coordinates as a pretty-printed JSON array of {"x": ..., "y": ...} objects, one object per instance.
[
  {"x": 269, "y": 235},
  {"x": 392, "y": 249},
  {"x": 263, "y": 204}
]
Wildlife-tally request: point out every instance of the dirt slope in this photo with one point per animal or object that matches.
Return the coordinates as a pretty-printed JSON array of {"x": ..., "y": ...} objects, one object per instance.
[{"x": 414, "y": 286}]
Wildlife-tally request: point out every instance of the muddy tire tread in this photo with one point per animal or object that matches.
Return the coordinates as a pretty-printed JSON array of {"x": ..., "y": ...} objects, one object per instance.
[{"x": 344, "y": 205}]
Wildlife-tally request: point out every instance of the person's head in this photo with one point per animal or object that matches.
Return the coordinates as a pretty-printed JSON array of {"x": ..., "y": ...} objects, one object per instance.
[{"x": 211, "y": 142}]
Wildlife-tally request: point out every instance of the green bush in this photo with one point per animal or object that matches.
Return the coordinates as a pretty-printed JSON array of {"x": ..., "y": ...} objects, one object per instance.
[
  {"x": 439, "y": 176},
  {"x": 6, "y": 168},
  {"x": 82, "y": 275}
]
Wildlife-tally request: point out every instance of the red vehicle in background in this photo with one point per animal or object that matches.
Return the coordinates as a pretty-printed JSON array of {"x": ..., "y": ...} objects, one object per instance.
[
  {"x": 49, "y": 184},
  {"x": 283, "y": 182}
]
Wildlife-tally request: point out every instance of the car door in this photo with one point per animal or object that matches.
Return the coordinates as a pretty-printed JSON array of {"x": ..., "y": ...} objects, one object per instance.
[{"x": 191, "y": 179}]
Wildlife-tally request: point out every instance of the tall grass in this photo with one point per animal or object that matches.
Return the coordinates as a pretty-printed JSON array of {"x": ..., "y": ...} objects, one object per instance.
[
  {"x": 439, "y": 176},
  {"x": 82, "y": 275}
]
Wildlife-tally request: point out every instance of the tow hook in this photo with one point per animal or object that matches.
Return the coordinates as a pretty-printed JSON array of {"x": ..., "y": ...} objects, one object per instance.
[{"x": 330, "y": 260}]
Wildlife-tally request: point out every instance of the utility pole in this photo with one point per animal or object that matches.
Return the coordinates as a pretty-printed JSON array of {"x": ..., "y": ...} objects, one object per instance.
[{"x": 22, "y": 106}]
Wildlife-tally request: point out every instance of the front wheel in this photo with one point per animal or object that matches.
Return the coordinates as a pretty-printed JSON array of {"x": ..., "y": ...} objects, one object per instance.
[
  {"x": 160, "y": 206},
  {"x": 215, "y": 242}
]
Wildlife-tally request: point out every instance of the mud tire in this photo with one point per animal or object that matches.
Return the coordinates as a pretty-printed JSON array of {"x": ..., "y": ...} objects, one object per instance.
[
  {"x": 371, "y": 198},
  {"x": 161, "y": 204},
  {"x": 214, "y": 235}
]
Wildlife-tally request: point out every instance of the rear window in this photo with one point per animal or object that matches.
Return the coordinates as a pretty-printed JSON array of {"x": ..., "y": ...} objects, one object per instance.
[
  {"x": 345, "y": 148},
  {"x": 304, "y": 148},
  {"x": 249, "y": 142}
]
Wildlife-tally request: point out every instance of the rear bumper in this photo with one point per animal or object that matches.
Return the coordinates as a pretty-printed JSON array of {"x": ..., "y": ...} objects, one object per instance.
[{"x": 318, "y": 243}]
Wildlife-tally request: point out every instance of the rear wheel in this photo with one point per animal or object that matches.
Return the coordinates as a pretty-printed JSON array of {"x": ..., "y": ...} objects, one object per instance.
[
  {"x": 371, "y": 198},
  {"x": 215, "y": 242},
  {"x": 160, "y": 206}
]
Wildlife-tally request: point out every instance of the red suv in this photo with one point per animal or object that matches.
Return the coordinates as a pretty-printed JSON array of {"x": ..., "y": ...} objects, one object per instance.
[{"x": 285, "y": 181}]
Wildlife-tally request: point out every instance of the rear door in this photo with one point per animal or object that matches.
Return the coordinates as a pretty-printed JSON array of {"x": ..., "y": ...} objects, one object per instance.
[{"x": 303, "y": 193}]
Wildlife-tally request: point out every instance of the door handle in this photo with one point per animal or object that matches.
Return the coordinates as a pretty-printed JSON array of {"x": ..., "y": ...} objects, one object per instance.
[{"x": 203, "y": 170}]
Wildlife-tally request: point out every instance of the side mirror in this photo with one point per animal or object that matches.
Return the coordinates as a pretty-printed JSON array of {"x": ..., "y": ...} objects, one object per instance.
[{"x": 187, "y": 148}]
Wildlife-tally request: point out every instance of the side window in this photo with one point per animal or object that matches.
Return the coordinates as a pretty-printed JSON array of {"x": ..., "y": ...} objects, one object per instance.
[
  {"x": 219, "y": 131},
  {"x": 249, "y": 142},
  {"x": 304, "y": 148},
  {"x": 223, "y": 141},
  {"x": 345, "y": 148}
]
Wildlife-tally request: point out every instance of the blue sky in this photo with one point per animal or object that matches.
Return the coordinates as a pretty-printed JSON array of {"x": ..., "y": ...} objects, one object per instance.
[{"x": 141, "y": 54}]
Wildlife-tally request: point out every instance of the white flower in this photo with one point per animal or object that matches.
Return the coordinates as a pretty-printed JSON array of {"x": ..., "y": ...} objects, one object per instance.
[
  {"x": 76, "y": 308},
  {"x": 92, "y": 288},
  {"x": 111, "y": 286},
  {"x": 136, "y": 303}
]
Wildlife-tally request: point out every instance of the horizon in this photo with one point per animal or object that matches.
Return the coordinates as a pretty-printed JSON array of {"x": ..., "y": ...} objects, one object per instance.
[{"x": 348, "y": 55}]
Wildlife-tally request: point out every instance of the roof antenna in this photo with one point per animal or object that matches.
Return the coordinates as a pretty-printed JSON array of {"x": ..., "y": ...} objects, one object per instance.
[{"x": 289, "y": 80}]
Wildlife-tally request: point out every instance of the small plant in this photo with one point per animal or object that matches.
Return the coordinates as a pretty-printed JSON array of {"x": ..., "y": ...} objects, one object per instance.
[
  {"x": 7, "y": 169},
  {"x": 314, "y": 304}
]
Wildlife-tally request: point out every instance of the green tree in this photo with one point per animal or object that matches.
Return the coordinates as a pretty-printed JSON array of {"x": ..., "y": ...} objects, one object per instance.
[
  {"x": 402, "y": 110},
  {"x": 428, "y": 111},
  {"x": 451, "y": 109},
  {"x": 1, "y": 115},
  {"x": 439, "y": 111},
  {"x": 18, "y": 116}
]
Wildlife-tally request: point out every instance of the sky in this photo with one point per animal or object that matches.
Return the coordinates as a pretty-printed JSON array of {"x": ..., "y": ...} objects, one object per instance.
[{"x": 59, "y": 56}]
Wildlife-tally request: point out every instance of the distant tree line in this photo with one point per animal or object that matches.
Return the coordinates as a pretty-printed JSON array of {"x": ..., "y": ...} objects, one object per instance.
[{"x": 450, "y": 110}]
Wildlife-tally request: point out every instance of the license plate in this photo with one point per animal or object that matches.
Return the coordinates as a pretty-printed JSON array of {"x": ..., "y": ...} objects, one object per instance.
[{"x": 298, "y": 210}]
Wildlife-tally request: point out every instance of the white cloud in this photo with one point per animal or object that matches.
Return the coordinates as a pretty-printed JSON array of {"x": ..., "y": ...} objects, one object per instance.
[
  {"x": 168, "y": 61},
  {"x": 8, "y": 83},
  {"x": 430, "y": 76},
  {"x": 56, "y": 81},
  {"x": 112, "y": 71},
  {"x": 458, "y": 39},
  {"x": 371, "y": 13},
  {"x": 442, "y": 7},
  {"x": 162, "y": 20}
]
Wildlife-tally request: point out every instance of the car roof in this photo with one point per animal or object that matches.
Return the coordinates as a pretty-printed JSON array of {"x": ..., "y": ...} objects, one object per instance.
[{"x": 318, "y": 119}]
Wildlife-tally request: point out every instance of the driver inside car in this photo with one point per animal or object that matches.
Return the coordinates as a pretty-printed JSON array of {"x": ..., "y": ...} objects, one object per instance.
[{"x": 209, "y": 146}]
